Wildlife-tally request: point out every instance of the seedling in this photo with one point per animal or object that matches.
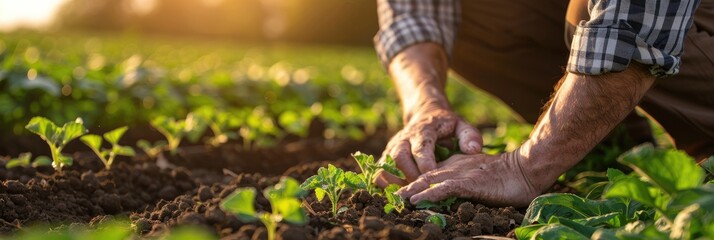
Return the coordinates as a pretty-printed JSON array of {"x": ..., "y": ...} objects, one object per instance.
[
  {"x": 284, "y": 200},
  {"x": 23, "y": 160},
  {"x": 370, "y": 168},
  {"x": 444, "y": 204},
  {"x": 438, "y": 219},
  {"x": 56, "y": 137},
  {"x": 152, "y": 150},
  {"x": 394, "y": 201},
  {"x": 332, "y": 181},
  {"x": 172, "y": 129},
  {"x": 107, "y": 156},
  {"x": 219, "y": 123}
]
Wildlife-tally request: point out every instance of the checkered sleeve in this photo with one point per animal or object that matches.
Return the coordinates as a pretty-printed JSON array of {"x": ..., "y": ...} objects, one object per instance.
[
  {"x": 619, "y": 31},
  {"x": 406, "y": 22}
]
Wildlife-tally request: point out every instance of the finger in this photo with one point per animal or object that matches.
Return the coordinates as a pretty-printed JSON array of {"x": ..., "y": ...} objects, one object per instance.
[
  {"x": 445, "y": 128},
  {"x": 424, "y": 182},
  {"x": 444, "y": 190},
  {"x": 470, "y": 140},
  {"x": 422, "y": 148},
  {"x": 402, "y": 155},
  {"x": 384, "y": 179}
]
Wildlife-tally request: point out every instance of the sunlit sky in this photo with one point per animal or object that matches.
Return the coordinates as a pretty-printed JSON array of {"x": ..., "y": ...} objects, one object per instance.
[{"x": 26, "y": 13}]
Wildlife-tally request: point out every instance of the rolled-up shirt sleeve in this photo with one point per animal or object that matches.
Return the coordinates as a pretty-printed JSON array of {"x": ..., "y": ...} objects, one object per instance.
[
  {"x": 620, "y": 31},
  {"x": 406, "y": 22}
]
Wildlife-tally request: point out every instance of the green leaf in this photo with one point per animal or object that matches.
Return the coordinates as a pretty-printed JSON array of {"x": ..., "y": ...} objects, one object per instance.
[
  {"x": 285, "y": 189},
  {"x": 92, "y": 141},
  {"x": 113, "y": 136},
  {"x": 527, "y": 232},
  {"x": 558, "y": 231},
  {"x": 63, "y": 160},
  {"x": 70, "y": 131},
  {"x": 632, "y": 187},
  {"x": 391, "y": 167},
  {"x": 437, "y": 219},
  {"x": 320, "y": 194},
  {"x": 569, "y": 206},
  {"x": 709, "y": 165},
  {"x": 291, "y": 210},
  {"x": 444, "y": 204},
  {"x": 23, "y": 160},
  {"x": 43, "y": 127},
  {"x": 388, "y": 208},
  {"x": 195, "y": 126},
  {"x": 579, "y": 227},
  {"x": 240, "y": 203},
  {"x": 614, "y": 174},
  {"x": 125, "y": 151},
  {"x": 441, "y": 153},
  {"x": 671, "y": 170},
  {"x": 354, "y": 181},
  {"x": 42, "y": 161},
  {"x": 394, "y": 201},
  {"x": 311, "y": 183}
]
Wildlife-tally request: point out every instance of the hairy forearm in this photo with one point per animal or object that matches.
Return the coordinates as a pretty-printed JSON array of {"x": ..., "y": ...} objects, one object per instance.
[
  {"x": 581, "y": 113},
  {"x": 419, "y": 74}
]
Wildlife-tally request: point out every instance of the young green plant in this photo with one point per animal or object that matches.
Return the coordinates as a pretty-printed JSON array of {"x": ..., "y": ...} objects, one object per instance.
[
  {"x": 284, "y": 200},
  {"x": 151, "y": 150},
  {"x": 370, "y": 168},
  {"x": 107, "y": 156},
  {"x": 394, "y": 201},
  {"x": 332, "y": 181},
  {"x": 174, "y": 131},
  {"x": 57, "y": 137},
  {"x": 23, "y": 160}
]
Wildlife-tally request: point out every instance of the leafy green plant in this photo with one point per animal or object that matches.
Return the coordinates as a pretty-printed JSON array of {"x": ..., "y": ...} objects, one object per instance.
[
  {"x": 107, "y": 156},
  {"x": 332, "y": 181},
  {"x": 173, "y": 130},
  {"x": 151, "y": 150},
  {"x": 370, "y": 168},
  {"x": 284, "y": 201},
  {"x": 57, "y": 137},
  {"x": 23, "y": 160},
  {"x": 438, "y": 219},
  {"x": 443, "y": 204},
  {"x": 664, "y": 198},
  {"x": 394, "y": 201}
]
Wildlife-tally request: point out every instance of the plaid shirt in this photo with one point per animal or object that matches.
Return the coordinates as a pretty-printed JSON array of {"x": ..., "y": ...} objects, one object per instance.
[{"x": 619, "y": 31}]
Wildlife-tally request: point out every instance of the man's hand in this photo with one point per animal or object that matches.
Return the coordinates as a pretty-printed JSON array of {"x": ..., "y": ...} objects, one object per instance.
[
  {"x": 495, "y": 180},
  {"x": 419, "y": 73}
]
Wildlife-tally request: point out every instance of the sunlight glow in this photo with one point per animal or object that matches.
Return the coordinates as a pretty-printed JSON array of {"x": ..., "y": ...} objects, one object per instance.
[{"x": 27, "y": 13}]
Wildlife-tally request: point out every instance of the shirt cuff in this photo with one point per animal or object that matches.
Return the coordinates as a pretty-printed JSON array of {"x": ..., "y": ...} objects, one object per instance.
[
  {"x": 598, "y": 50},
  {"x": 405, "y": 31}
]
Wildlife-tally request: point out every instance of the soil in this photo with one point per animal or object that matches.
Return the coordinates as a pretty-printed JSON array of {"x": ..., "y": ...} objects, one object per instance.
[{"x": 186, "y": 189}]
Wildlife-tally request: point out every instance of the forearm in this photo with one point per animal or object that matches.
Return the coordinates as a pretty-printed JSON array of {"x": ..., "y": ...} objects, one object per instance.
[
  {"x": 582, "y": 112},
  {"x": 419, "y": 74}
]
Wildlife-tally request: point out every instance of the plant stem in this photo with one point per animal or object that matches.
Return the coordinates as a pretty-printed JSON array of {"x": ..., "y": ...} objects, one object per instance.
[{"x": 270, "y": 226}]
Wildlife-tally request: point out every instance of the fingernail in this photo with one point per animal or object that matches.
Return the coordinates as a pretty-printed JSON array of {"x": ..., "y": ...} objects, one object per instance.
[{"x": 474, "y": 145}]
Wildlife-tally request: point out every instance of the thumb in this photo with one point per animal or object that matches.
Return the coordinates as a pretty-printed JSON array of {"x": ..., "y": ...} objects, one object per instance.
[{"x": 470, "y": 140}]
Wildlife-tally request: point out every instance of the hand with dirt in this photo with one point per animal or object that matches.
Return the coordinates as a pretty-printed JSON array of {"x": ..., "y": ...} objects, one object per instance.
[
  {"x": 495, "y": 180},
  {"x": 419, "y": 73}
]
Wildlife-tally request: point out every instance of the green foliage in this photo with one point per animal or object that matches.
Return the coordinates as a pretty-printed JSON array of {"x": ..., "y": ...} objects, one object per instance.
[
  {"x": 664, "y": 198},
  {"x": 284, "y": 201},
  {"x": 107, "y": 156},
  {"x": 23, "y": 160},
  {"x": 152, "y": 150},
  {"x": 370, "y": 168},
  {"x": 173, "y": 130},
  {"x": 57, "y": 137},
  {"x": 331, "y": 182},
  {"x": 394, "y": 201},
  {"x": 429, "y": 205},
  {"x": 437, "y": 219}
]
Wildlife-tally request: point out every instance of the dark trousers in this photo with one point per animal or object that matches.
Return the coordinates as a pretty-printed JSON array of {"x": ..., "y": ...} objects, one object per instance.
[{"x": 517, "y": 50}]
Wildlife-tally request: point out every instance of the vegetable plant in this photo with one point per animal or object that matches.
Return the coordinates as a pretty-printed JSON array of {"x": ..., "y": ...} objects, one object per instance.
[
  {"x": 107, "y": 156},
  {"x": 23, "y": 160},
  {"x": 370, "y": 169},
  {"x": 394, "y": 201},
  {"x": 664, "y": 198},
  {"x": 332, "y": 181},
  {"x": 284, "y": 201},
  {"x": 57, "y": 137}
]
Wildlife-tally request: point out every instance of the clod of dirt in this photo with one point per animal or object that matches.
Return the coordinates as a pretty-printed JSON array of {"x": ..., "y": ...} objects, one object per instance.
[
  {"x": 292, "y": 233},
  {"x": 432, "y": 231},
  {"x": 405, "y": 232},
  {"x": 466, "y": 212},
  {"x": 204, "y": 193},
  {"x": 370, "y": 223},
  {"x": 15, "y": 187},
  {"x": 485, "y": 221},
  {"x": 110, "y": 203}
]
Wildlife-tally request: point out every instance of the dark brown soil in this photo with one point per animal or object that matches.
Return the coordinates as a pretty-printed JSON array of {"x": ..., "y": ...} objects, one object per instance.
[{"x": 188, "y": 190}]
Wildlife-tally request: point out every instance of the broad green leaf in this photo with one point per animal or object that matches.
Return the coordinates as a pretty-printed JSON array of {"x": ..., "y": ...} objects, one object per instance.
[
  {"x": 558, "y": 231},
  {"x": 391, "y": 167},
  {"x": 43, "y": 127},
  {"x": 570, "y": 206},
  {"x": 125, "y": 151},
  {"x": 240, "y": 203},
  {"x": 437, "y": 219},
  {"x": 444, "y": 204},
  {"x": 612, "y": 220},
  {"x": 614, "y": 174},
  {"x": 388, "y": 208},
  {"x": 70, "y": 131},
  {"x": 632, "y": 187},
  {"x": 671, "y": 170},
  {"x": 354, "y": 181},
  {"x": 311, "y": 183},
  {"x": 92, "y": 141},
  {"x": 63, "y": 160},
  {"x": 579, "y": 227},
  {"x": 287, "y": 188},
  {"x": 708, "y": 165},
  {"x": 42, "y": 161},
  {"x": 113, "y": 136},
  {"x": 23, "y": 160},
  {"x": 291, "y": 210},
  {"x": 526, "y": 232},
  {"x": 195, "y": 126},
  {"x": 320, "y": 194}
]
